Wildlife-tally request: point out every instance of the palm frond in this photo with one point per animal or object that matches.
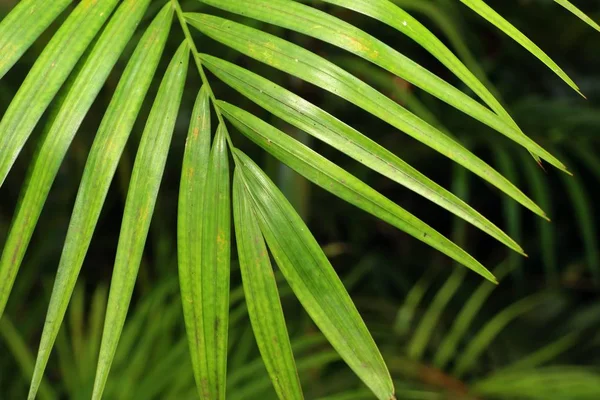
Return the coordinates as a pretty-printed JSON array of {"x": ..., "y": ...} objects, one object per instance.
[
  {"x": 77, "y": 63},
  {"x": 580, "y": 14},
  {"x": 100, "y": 168},
  {"x": 23, "y": 26},
  {"x": 141, "y": 199}
]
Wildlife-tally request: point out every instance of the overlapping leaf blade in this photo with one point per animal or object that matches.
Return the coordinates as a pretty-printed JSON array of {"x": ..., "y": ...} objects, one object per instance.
[
  {"x": 49, "y": 72},
  {"x": 541, "y": 193},
  {"x": 211, "y": 283},
  {"x": 431, "y": 315},
  {"x": 485, "y": 11},
  {"x": 262, "y": 296},
  {"x": 580, "y": 14},
  {"x": 584, "y": 212},
  {"x": 492, "y": 328},
  {"x": 189, "y": 226},
  {"x": 511, "y": 211},
  {"x": 412, "y": 302},
  {"x": 100, "y": 168},
  {"x": 141, "y": 199},
  {"x": 23, "y": 25},
  {"x": 471, "y": 307},
  {"x": 14, "y": 343},
  {"x": 308, "y": 66},
  {"x": 314, "y": 280},
  {"x": 310, "y": 21},
  {"x": 71, "y": 110},
  {"x": 260, "y": 197},
  {"x": 322, "y": 125},
  {"x": 545, "y": 382},
  {"x": 391, "y": 14},
  {"x": 329, "y": 176}
]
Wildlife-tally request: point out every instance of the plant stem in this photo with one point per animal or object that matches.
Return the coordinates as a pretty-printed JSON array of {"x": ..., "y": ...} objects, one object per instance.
[{"x": 196, "y": 55}]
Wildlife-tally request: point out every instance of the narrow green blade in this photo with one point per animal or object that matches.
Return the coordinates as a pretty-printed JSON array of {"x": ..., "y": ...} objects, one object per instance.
[
  {"x": 403, "y": 324},
  {"x": 428, "y": 325},
  {"x": 46, "y": 77},
  {"x": 15, "y": 344},
  {"x": 313, "y": 280},
  {"x": 492, "y": 328},
  {"x": 308, "y": 66},
  {"x": 262, "y": 296},
  {"x": 584, "y": 214},
  {"x": 211, "y": 284},
  {"x": 485, "y": 11},
  {"x": 141, "y": 199},
  {"x": 511, "y": 211},
  {"x": 334, "y": 179},
  {"x": 463, "y": 320},
  {"x": 547, "y": 354},
  {"x": 101, "y": 165},
  {"x": 59, "y": 134},
  {"x": 390, "y": 14},
  {"x": 569, "y": 6},
  {"x": 546, "y": 232},
  {"x": 313, "y": 22},
  {"x": 189, "y": 227},
  {"x": 554, "y": 382},
  {"x": 324, "y": 126},
  {"x": 22, "y": 26}
]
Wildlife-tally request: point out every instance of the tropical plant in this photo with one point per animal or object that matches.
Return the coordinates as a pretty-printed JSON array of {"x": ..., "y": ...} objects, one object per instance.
[{"x": 76, "y": 64}]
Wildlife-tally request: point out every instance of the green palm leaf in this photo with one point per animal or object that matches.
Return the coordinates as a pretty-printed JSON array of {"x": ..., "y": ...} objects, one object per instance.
[
  {"x": 559, "y": 383},
  {"x": 394, "y": 16},
  {"x": 72, "y": 108},
  {"x": 313, "y": 279},
  {"x": 485, "y": 11},
  {"x": 583, "y": 209},
  {"x": 462, "y": 322},
  {"x": 189, "y": 227},
  {"x": 541, "y": 193},
  {"x": 390, "y": 14},
  {"x": 312, "y": 22},
  {"x": 511, "y": 211},
  {"x": 212, "y": 281},
  {"x": 431, "y": 317},
  {"x": 262, "y": 297},
  {"x": 141, "y": 199},
  {"x": 100, "y": 168},
  {"x": 339, "y": 182},
  {"x": 492, "y": 328},
  {"x": 569, "y": 6},
  {"x": 20, "y": 350},
  {"x": 308, "y": 66},
  {"x": 23, "y": 25},
  {"x": 78, "y": 60},
  {"x": 322, "y": 125},
  {"x": 44, "y": 80}
]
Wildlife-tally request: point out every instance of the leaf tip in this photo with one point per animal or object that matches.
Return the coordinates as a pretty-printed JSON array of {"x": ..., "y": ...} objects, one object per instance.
[
  {"x": 540, "y": 164},
  {"x": 489, "y": 276},
  {"x": 520, "y": 250}
]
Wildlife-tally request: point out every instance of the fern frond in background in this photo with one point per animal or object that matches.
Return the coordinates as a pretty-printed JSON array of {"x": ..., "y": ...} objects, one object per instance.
[{"x": 106, "y": 79}]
